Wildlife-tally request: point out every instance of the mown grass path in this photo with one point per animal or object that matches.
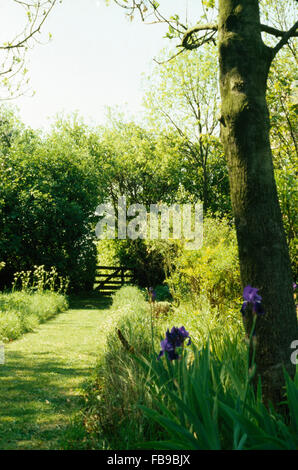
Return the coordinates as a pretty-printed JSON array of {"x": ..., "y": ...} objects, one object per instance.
[{"x": 41, "y": 380}]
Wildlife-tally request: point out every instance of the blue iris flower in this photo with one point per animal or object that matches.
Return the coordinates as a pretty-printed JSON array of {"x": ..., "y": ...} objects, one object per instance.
[
  {"x": 251, "y": 296},
  {"x": 174, "y": 339}
]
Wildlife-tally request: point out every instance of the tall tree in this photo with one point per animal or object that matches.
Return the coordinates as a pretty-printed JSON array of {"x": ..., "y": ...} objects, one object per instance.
[
  {"x": 283, "y": 108},
  {"x": 136, "y": 163},
  {"x": 183, "y": 96},
  {"x": 244, "y": 62}
]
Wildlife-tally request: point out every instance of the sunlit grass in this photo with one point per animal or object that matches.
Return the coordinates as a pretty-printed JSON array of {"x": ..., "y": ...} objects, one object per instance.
[
  {"x": 123, "y": 389},
  {"x": 42, "y": 378},
  {"x": 21, "y": 312}
]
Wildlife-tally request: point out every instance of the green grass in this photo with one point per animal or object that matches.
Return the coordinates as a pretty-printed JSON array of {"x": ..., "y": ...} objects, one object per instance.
[
  {"x": 72, "y": 384},
  {"x": 43, "y": 376},
  {"x": 21, "y": 312},
  {"x": 112, "y": 414},
  {"x": 129, "y": 405}
]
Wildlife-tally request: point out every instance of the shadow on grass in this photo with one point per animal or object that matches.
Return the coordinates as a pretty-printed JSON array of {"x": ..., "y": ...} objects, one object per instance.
[
  {"x": 89, "y": 301},
  {"x": 36, "y": 400},
  {"x": 43, "y": 378},
  {"x": 40, "y": 392}
]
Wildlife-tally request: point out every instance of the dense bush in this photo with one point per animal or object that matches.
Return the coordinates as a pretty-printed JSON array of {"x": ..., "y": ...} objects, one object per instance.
[
  {"x": 48, "y": 194},
  {"x": 212, "y": 271},
  {"x": 162, "y": 293},
  {"x": 146, "y": 261}
]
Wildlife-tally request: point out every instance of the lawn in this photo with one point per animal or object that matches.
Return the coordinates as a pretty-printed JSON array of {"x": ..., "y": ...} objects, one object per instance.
[{"x": 43, "y": 374}]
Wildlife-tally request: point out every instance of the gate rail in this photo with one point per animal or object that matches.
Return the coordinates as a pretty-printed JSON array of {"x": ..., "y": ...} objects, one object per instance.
[{"x": 108, "y": 283}]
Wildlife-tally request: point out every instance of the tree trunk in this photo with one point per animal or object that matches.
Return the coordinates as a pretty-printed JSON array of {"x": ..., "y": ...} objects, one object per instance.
[{"x": 263, "y": 252}]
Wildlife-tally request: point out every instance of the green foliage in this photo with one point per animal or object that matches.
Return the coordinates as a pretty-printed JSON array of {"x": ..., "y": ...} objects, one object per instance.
[
  {"x": 182, "y": 97},
  {"x": 39, "y": 297},
  {"x": 48, "y": 195},
  {"x": 21, "y": 312},
  {"x": 145, "y": 260},
  {"x": 212, "y": 271},
  {"x": 207, "y": 414},
  {"x": 283, "y": 107},
  {"x": 106, "y": 252},
  {"x": 39, "y": 280},
  {"x": 286, "y": 181},
  {"x": 203, "y": 401},
  {"x": 162, "y": 293},
  {"x": 119, "y": 385},
  {"x": 208, "y": 3},
  {"x": 136, "y": 163},
  {"x": 204, "y": 321}
]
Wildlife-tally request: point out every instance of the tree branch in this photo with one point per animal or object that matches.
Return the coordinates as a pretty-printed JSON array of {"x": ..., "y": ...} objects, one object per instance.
[
  {"x": 13, "y": 52},
  {"x": 292, "y": 32},
  {"x": 32, "y": 31},
  {"x": 275, "y": 32},
  {"x": 168, "y": 60},
  {"x": 189, "y": 43}
]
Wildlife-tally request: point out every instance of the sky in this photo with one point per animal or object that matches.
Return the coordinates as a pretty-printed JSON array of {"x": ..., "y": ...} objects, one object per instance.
[{"x": 95, "y": 59}]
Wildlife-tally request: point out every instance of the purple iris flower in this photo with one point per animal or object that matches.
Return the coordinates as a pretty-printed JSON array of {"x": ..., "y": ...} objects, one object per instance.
[
  {"x": 174, "y": 339},
  {"x": 294, "y": 285},
  {"x": 251, "y": 296}
]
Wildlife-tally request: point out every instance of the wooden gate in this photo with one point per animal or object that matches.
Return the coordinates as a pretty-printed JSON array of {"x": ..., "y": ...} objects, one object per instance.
[{"x": 110, "y": 278}]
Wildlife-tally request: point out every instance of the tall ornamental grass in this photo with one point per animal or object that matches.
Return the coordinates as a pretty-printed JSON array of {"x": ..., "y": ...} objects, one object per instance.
[
  {"x": 201, "y": 399},
  {"x": 118, "y": 387}
]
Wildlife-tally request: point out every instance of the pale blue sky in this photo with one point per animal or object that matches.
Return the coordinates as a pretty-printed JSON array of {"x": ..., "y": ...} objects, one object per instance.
[{"x": 95, "y": 59}]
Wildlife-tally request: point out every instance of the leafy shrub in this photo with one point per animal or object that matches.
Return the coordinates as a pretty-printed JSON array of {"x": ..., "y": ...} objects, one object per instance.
[
  {"x": 146, "y": 261},
  {"x": 10, "y": 325},
  {"x": 212, "y": 271},
  {"x": 49, "y": 193},
  {"x": 162, "y": 293}
]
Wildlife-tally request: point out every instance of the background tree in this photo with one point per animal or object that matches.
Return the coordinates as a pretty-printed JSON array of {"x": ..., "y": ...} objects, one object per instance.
[
  {"x": 283, "y": 107},
  {"x": 48, "y": 194},
  {"x": 138, "y": 163},
  {"x": 244, "y": 63},
  {"x": 147, "y": 169},
  {"x": 183, "y": 97},
  {"x": 13, "y": 51}
]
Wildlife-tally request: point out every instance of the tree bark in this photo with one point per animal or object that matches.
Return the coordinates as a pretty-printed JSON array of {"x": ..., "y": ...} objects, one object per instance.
[{"x": 264, "y": 260}]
